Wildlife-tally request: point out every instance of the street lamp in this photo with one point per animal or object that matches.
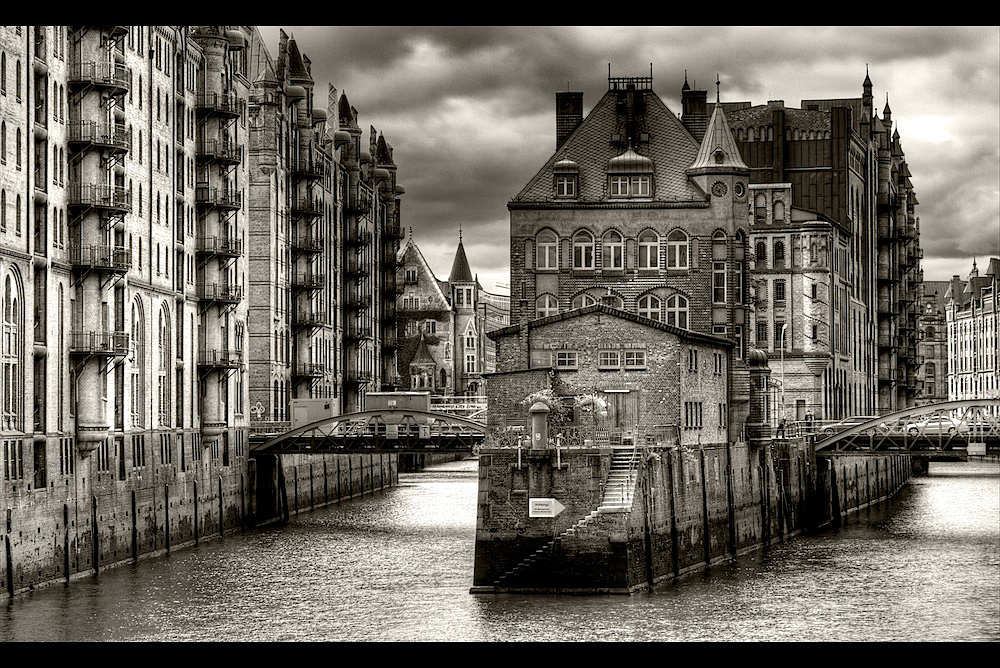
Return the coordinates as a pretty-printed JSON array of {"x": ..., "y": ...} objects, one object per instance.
[{"x": 783, "y": 328}]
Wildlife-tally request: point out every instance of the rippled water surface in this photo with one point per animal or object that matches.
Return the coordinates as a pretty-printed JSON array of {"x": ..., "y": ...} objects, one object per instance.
[{"x": 398, "y": 566}]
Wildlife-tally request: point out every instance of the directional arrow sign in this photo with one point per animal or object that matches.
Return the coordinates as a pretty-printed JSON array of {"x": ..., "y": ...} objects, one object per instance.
[{"x": 544, "y": 507}]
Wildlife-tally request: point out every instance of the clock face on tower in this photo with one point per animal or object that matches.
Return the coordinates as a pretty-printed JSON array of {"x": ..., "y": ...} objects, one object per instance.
[
  {"x": 719, "y": 189},
  {"x": 739, "y": 189}
]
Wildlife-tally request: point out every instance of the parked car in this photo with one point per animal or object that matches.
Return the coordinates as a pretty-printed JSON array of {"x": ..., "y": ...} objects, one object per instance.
[
  {"x": 937, "y": 425},
  {"x": 847, "y": 423}
]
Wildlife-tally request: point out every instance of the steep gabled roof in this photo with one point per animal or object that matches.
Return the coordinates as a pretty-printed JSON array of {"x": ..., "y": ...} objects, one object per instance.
[
  {"x": 423, "y": 355},
  {"x": 671, "y": 148},
  {"x": 411, "y": 254}
]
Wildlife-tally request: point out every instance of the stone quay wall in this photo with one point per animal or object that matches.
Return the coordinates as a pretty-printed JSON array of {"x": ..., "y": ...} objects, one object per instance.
[
  {"x": 690, "y": 508},
  {"x": 94, "y": 520}
]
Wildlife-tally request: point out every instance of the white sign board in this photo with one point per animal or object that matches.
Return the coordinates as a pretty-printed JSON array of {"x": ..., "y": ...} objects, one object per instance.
[
  {"x": 977, "y": 449},
  {"x": 544, "y": 507}
]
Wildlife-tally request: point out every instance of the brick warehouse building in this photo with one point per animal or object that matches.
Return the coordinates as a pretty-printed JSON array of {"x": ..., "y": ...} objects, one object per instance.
[
  {"x": 634, "y": 213},
  {"x": 833, "y": 161},
  {"x": 197, "y": 241},
  {"x": 973, "y": 322}
]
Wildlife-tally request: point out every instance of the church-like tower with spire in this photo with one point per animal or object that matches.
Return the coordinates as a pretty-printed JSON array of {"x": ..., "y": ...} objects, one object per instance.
[{"x": 443, "y": 347}]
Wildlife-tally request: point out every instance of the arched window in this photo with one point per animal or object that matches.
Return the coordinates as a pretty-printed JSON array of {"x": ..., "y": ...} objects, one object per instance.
[
  {"x": 614, "y": 301},
  {"x": 613, "y": 251},
  {"x": 759, "y": 208},
  {"x": 545, "y": 306},
  {"x": 649, "y": 250},
  {"x": 779, "y": 212},
  {"x": 929, "y": 334},
  {"x": 677, "y": 250},
  {"x": 649, "y": 307},
  {"x": 3, "y": 210},
  {"x": 11, "y": 353},
  {"x": 779, "y": 254},
  {"x": 138, "y": 366},
  {"x": 677, "y": 311},
  {"x": 547, "y": 250},
  {"x": 3, "y": 141},
  {"x": 163, "y": 368},
  {"x": 17, "y": 148},
  {"x": 930, "y": 372},
  {"x": 3, "y": 73},
  {"x": 582, "y": 300},
  {"x": 583, "y": 250},
  {"x": 761, "y": 255}
]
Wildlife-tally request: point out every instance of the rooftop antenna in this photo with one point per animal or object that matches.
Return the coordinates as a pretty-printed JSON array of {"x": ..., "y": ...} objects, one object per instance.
[{"x": 717, "y": 84}]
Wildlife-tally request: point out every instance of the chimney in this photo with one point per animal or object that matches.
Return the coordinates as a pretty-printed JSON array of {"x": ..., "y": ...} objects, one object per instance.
[
  {"x": 569, "y": 115},
  {"x": 694, "y": 112}
]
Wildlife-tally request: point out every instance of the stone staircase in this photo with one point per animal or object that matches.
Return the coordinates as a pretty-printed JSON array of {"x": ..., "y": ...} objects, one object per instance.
[{"x": 619, "y": 489}]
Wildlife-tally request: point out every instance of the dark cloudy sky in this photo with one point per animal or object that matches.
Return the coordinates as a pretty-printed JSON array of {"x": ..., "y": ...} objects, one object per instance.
[{"x": 470, "y": 111}]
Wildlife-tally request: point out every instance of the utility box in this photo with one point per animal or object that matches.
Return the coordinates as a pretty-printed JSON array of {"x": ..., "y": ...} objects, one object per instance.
[{"x": 305, "y": 411}]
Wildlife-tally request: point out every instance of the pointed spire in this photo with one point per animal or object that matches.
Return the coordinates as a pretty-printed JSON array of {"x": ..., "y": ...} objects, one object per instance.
[
  {"x": 460, "y": 272},
  {"x": 718, "y": 150},
  {"x": 685, "y": 86},
  {"x": 423, "y": 355},
  {"x": 718, "y": 99},
  {"x": 868, "y": 81}
]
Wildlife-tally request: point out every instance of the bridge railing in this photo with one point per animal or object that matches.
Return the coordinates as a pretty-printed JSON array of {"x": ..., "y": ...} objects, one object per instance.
[{"x": 589, "y": 436}]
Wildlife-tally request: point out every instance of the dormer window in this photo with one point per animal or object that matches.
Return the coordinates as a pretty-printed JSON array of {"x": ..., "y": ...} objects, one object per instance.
[
  {"x": 567, "y": 175},
  {"x": 630, "y": 175}
]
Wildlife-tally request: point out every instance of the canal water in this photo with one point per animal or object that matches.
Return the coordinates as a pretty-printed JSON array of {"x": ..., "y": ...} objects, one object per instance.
[{"x": 397, "y": 566}]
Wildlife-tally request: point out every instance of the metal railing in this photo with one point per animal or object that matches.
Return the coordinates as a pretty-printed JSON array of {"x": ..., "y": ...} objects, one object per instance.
[
  {"x": 111, "y": 258},
  {"x": 98, "y": 342}
]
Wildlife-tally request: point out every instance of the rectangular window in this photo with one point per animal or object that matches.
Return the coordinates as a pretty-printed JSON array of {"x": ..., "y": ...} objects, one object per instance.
[
  {"x": 541, "y": 358},
  {"x": 432, "y": 326},
  {"x": 609, "y": 359},
  {"x": 411, "y": 275},
  {"x": 719, "y": 282},
  {"x": 779, "y": 291},
  {"x": 635, "y": 359},
  {"x": 778, "y": 340},
  {"x": 567, "y": 360},
  {"x": 692, "y": 359},
  {"x": 761, "y": 332},
  {"x": 566, "y": 186},
  {"x": 738, "y": 340},
  {"x": 619, "y": 186},
  {"x": 640, "y": 186}
]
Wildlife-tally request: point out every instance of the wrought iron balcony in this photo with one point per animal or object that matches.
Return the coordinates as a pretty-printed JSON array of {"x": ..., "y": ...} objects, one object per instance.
[
  {"x": 395, "y": 232},
  {"x": 309, "y": 318},
  {"x": 220, "y": 293},
  {"x": 305, "y": 206},
  {"x": 218, "y": 197},
  {"x": 225, "y": 104},
  {"x": 221, "y": 246},
  {"x": 215, "y": 150},
  {"x": 111, "y": 136},
  {"x": 115, "y": 259},
  {"x": 360, "y": 200},
  {"x": 307, "y": 370},
  {"x": 114, "y": 198},
  {"x": 99, "y": 342},
  {"x": 111, "y": 76},
  {"x": 310, "y": 169},
  {"x": 308, "y": 244},
  {"x": 220, "y": 358},
  {"x": 308, "y": 281}
]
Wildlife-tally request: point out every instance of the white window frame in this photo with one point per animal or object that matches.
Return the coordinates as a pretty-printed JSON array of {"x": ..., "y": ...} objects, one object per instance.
[
  {"x": 547, "y": 250},
  {"x": 649, "y": 250},
  {"x": 650, "y": 306},
  {"x": 635, "y": 359},
  {"x": 676, "y": 310},
  {"x": 567, "y": 360},
  {"x": 609, "y": 359},
  {"x": 677, "y": 250},
  {"x": 583, "y": 251},
  {"x": 613, "y": 251},
  {"x": 546, "y": 305}
]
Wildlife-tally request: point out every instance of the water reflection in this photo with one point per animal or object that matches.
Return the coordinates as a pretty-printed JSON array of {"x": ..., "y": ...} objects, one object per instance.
[{"x": 398, "y": 566}]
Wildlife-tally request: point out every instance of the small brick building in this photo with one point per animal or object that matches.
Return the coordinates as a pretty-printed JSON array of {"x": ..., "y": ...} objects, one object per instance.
[{"x": 655, "y": 378}]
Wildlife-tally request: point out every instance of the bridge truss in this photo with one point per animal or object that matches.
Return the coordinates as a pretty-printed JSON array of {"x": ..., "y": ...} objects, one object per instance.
[
  {"x": 399, "y": 431},
  {"x": 943, "y": 428}
]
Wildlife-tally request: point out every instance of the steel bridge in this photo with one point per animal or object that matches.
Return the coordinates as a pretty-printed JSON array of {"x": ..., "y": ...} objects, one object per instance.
[
  {"x": 399, "y": 431},
  {"x": 942, "y": 430}
]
